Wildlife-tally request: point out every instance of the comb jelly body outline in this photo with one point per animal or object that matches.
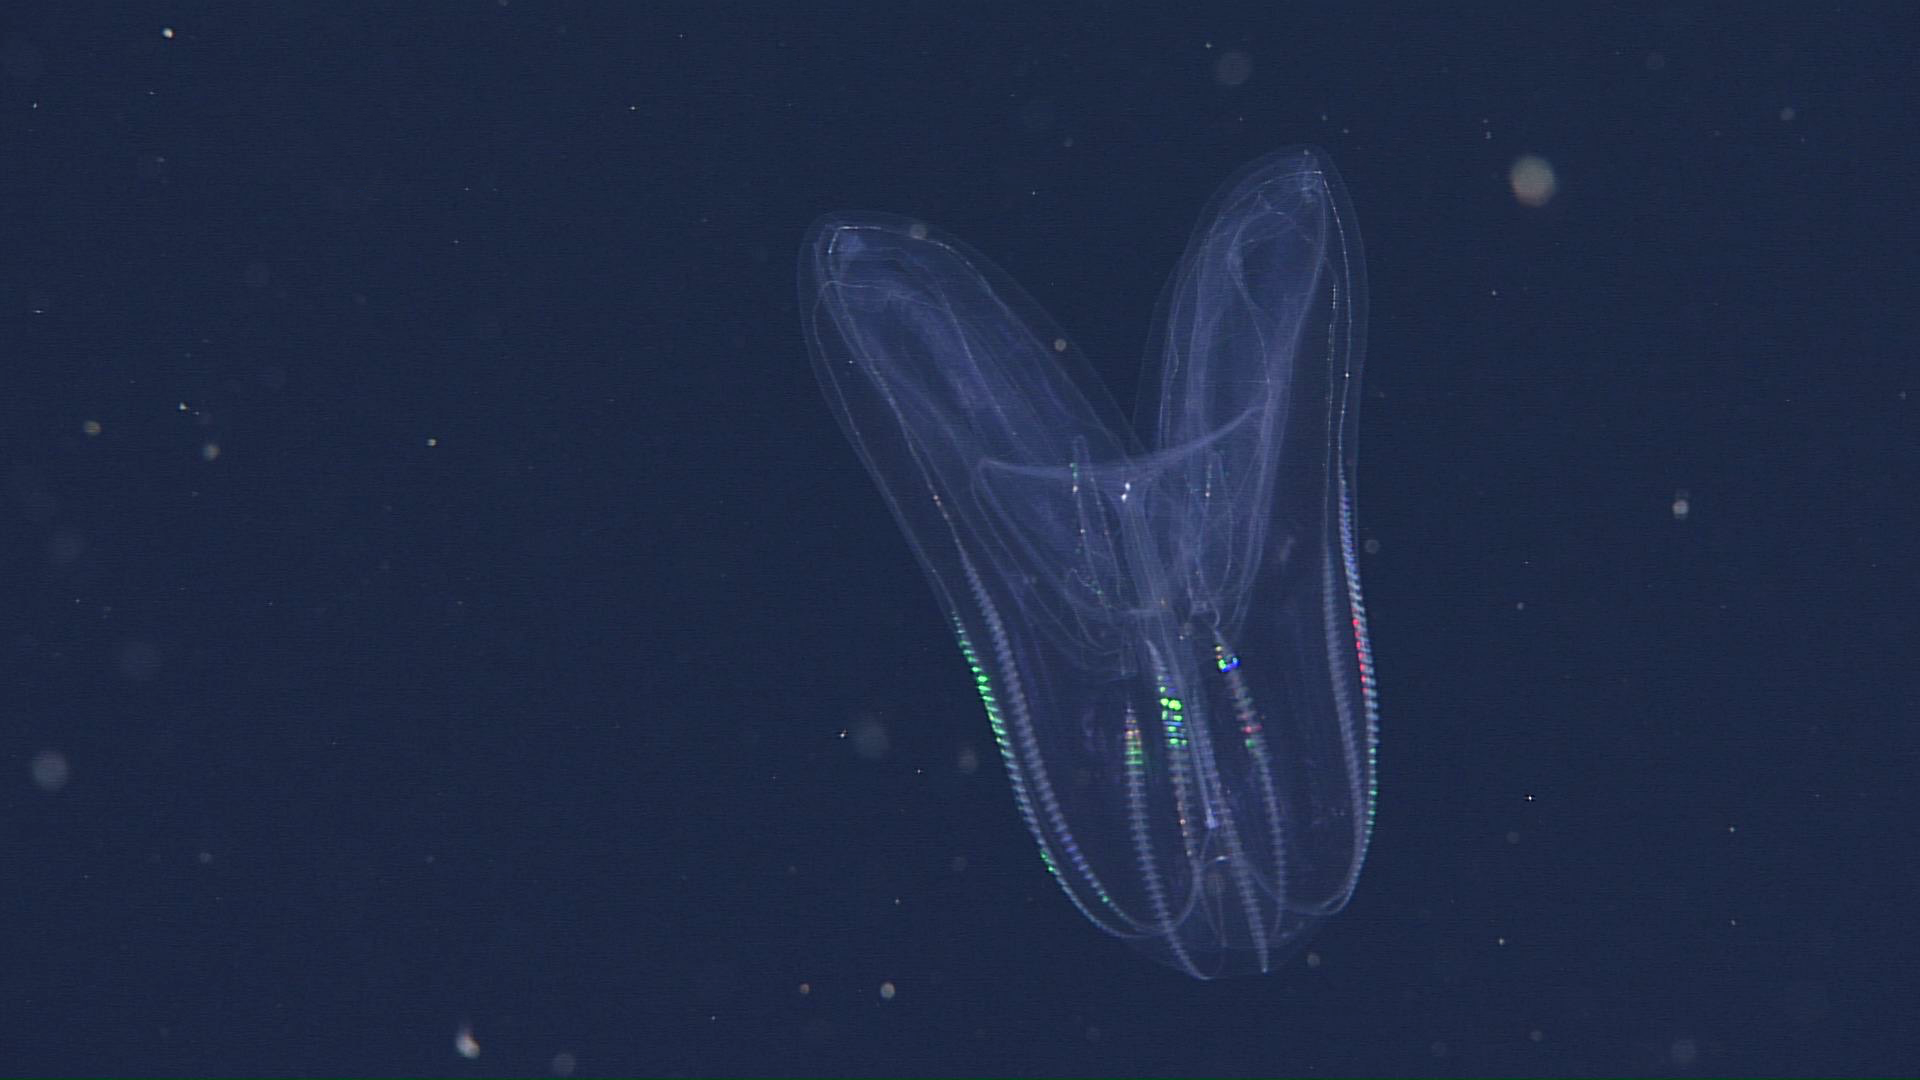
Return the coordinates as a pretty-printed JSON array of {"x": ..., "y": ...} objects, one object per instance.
[{"x": 1163, "y": 618}]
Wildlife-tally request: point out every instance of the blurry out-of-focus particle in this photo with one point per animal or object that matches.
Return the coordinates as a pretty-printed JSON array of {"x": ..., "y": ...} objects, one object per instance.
[
  {"x": 137, "y": 660},
  {"x": 1682, "y": 504},
  {"x": 887, "y": 990},
  {"x": 464, "y": 1042},
  {"x": 869, "y": 737},
  {"x": 1232, "y": 68},
  {"x": 1532, "y": 180},
  {"x": 50, "y": 770},
  {"x": 65, "y": 547}
]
